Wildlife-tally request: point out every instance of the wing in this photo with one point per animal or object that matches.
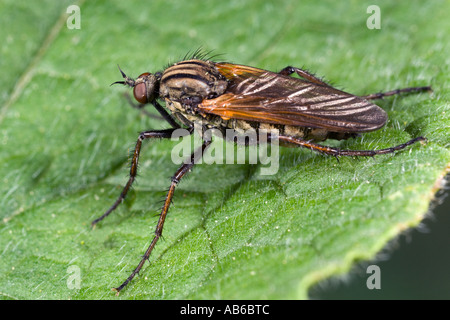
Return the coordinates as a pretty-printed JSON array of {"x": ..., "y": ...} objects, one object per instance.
[{"x": 258, "y": 95}]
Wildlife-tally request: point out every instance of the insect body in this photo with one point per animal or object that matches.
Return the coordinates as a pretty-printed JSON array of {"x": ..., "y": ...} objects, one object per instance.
[{"x": 230, "y": 96}]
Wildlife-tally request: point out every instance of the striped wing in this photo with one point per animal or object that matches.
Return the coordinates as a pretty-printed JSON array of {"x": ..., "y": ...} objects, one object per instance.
[{"x": 263, "y": 96}]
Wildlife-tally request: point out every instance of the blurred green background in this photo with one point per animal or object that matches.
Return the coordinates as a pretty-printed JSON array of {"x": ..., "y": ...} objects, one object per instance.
[
  {"x": 53, "y": 75},
  {"x": 413, "y": 266}
]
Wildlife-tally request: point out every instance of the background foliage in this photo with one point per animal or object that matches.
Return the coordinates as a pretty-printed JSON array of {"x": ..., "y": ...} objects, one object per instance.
[{"x": 232, "y": 233}]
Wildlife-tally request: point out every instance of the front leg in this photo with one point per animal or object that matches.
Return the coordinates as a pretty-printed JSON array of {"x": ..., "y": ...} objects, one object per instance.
[
  {"x": 164, "y": 114},
  {"x": 167, "y": 134},
  {"x": 181, "y": 172},
  {"x": 140, "y": 107}
]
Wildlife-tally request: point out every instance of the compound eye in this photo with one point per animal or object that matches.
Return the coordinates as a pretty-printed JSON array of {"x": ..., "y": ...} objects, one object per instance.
[{"x": 140, "y": 92}]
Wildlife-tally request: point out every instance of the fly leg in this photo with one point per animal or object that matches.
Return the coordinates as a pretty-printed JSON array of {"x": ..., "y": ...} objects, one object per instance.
[
  {"x": 163, "y": 113},
  {"x": 140, "y": 107},
  {"x": 312, "y": 78},
  {"x": 381, "y": 95},
  {"x": 134, "y": 165},
  {"x": 185, "y": 168},
  {"x": 304, "y": 74},
  {"x": 336, "y": 152}
]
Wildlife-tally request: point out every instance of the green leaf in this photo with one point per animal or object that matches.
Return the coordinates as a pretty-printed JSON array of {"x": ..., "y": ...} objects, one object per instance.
[{"x": 231, "y": 233}]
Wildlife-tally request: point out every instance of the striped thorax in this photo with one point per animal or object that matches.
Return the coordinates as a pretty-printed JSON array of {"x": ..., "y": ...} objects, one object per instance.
[{"x": 192, "y": 81}]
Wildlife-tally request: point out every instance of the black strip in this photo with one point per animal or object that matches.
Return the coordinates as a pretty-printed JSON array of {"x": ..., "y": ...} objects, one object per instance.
[
  {"x": 182, "y": 68},
  {"x": 185, "y": 75},
  {"x": 199, "y": 63}
]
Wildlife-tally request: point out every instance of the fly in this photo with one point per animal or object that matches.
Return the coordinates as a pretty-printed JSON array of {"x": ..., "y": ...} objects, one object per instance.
[{"x": 230, "y": 96}]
